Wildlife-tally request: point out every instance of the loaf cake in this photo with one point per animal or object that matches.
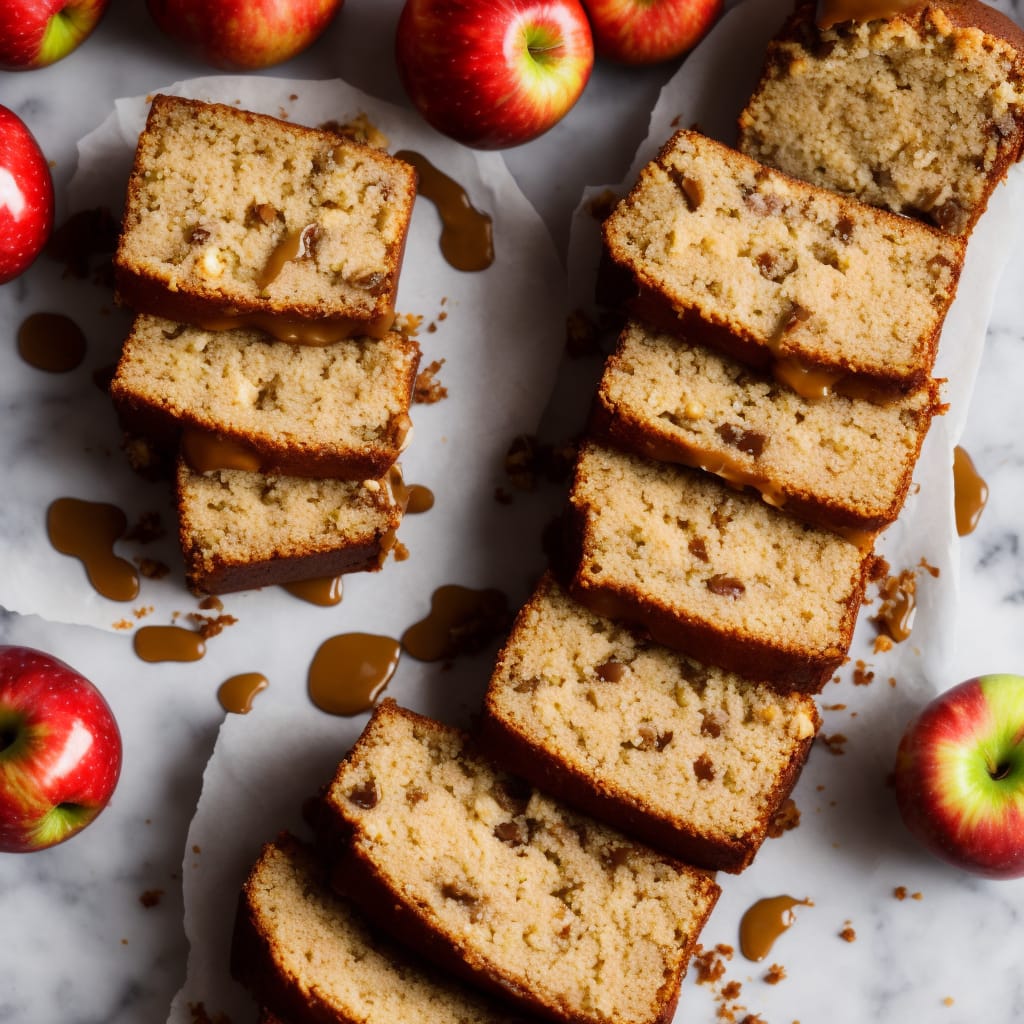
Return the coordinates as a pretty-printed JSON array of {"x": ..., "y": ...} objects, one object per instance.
[
  {"x": 916, "y": 107},
  {"x": 238, "y": 219},
  {"x": 339, "y": 410},
  {"x": 840, "y": 461},
  {"x": 239, "y": 530},
  {"x": 725, "y": 251},
  {"x": 712, "y": 572},
  {"x": 496, "y": 882},
  {"x": 691, "y": 759},
  {"x": 308, "y": 956}
]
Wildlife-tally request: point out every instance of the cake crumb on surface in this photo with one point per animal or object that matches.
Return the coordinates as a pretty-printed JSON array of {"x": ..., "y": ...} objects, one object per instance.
[
  {"x": 785, "y": 819},
  {"x": 428, "y": 389},
  {"x": 775, "y": 974},
  {"x": 848, "y": 934}
]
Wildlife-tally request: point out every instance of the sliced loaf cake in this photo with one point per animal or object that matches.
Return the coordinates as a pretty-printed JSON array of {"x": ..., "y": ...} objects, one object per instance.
[
  {"x": 237, "y": 219},
  {"x": 500, "y": 884},
  {"x": 710, "y": 571},
  {"x": 842, "y": 461},
  {"x": 722, "y": 250},
  {"x": 309, "y": 957},
  {"x": 239, "y": 530},
  {"x": 339, "y": 410},
  {"x": 916, "y": 107},
  {"x": 687, "y": 757}
]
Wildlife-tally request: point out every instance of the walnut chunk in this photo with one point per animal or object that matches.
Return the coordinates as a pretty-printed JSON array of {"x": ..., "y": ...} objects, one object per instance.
[
  {"x": 750, "y": 442},
  {"x": 611, "y": 671},
  {"x": 199, "y": 235},
  {"x": 512, "y": 795},
  {"x": 649, "y": 738},
  {"x": 703, "y": 768},
  {"x": 512, "y": 833},
  {"x": 711, "y": 723},
  {"x": 725, "y": 586},
  {"x": 844, "y": 230},
  {"x": 527, "y": 685},
  {"x": 698, "y": 548},
  {"x": 366, "y": 795},
  {"x": 950, "y": 216},
  {"x": 459, "y": 893}
]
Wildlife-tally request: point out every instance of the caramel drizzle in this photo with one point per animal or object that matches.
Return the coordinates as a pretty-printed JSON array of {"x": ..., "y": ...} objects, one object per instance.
[
  {"x": 808, "y": 382},
  {"x": 833, "y": 12},
  {"x": 970, "y": 492},
  {"x": 206, "y": 451},
  {"x": 467, "y": 241},
  {"x": 324, "y": 591},
  {"x": 51, "y": 342},
  {"x": 87, "y": 530},
  {"x": 348, "y": 672},
  {"x": 421, "y": 499},
  {"x": 461, "y": 620},
  {"x": 237, "y": 693},
  {"x": 764, "y": 922},
  {"x": 168, "y": 643},
  {"x": 295, "y": 245},
  {"x": 304, "y": 332}
]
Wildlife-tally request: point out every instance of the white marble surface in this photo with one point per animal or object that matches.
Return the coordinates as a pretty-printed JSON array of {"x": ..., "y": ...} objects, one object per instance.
[{"x": 78, "y": 946}]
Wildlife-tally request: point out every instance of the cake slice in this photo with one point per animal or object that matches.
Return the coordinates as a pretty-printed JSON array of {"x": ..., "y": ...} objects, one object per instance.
[
  {"x": 724, "y": 251},
  {"x": 339, "y": 410},
  {"x": 500, "y": 884},
  {"x": 236, "y": 219},
  {"x": 841, "y": 461},
  {"x": 239, "y": 530},
  {"x": 712, "y": 572},
  {"x": 309, "y": 957},
  {"x": 917, "y": 107},
  {"x": 687, "y": 757}
]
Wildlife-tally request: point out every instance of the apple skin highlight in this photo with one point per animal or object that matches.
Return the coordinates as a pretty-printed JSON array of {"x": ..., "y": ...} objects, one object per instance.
[{"x": 959, "y": 776}]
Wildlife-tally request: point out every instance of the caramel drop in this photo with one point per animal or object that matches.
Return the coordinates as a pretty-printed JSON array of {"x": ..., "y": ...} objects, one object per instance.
[
  {"x": 764, "y": 922},
  {"x": 236, "y": 694},
  {"x": 51, "y": 342},
  {"x": 87, "y": 530},
  {"x": 349, "y": 672},
  {"x": 168, "y": 643},
  {"x": 970, "y": 492},
  {"x": 323, "y": 591},
  {"x": 461, "y": 621}
]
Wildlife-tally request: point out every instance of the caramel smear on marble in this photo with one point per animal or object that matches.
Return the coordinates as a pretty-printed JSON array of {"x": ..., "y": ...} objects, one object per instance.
[
  {"x": 467, "y": 241},
  {"x": 421, "y": 499},
  {"x": 51, "y": 342},
  {"x": 323, "y": 591},
  {"x": 87, "y": 530},
  {"x": 236, "y": 694},
  {"x": 970, "y": 492},
  {"x": 168, "y": 643},
  {"x": 349, "y": 672},
  {"x": 764, "y": 922},
  {"x": 895, "y": 617},
  {"x": 461, "y": 621}
]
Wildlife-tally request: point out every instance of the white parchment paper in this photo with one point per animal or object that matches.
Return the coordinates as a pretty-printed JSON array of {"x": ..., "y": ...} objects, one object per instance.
[{"x": 850, "y": 849}]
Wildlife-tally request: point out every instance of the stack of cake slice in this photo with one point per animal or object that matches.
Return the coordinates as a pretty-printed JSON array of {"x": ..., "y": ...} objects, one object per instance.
[{"x": 262, "y": 259}]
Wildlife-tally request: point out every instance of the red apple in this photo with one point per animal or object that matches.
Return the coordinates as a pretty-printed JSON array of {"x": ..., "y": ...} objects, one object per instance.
[
  {"x": 240, "y": 35},
  {"x": 34, "y": 33},
  {"x": 60, "y": 751},
  {"x": 494, "y": 73},
  {"x": 26, "y": 197},
  {"x": 649, "y": 31},
  {"x": 960, "y": 776}
]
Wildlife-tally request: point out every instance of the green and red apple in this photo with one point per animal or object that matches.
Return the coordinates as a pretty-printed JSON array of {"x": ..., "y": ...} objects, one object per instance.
[
  {"x": 60, "y": 751},
  {"x": 34, "y": 33},
  {"x": 493, "y": 73},
  {"x": 242, "y": 35},
  {"x": 26, "y": 197},
  {"x": 960, "y": 776},
  {"x": 649, "y": 31}
]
